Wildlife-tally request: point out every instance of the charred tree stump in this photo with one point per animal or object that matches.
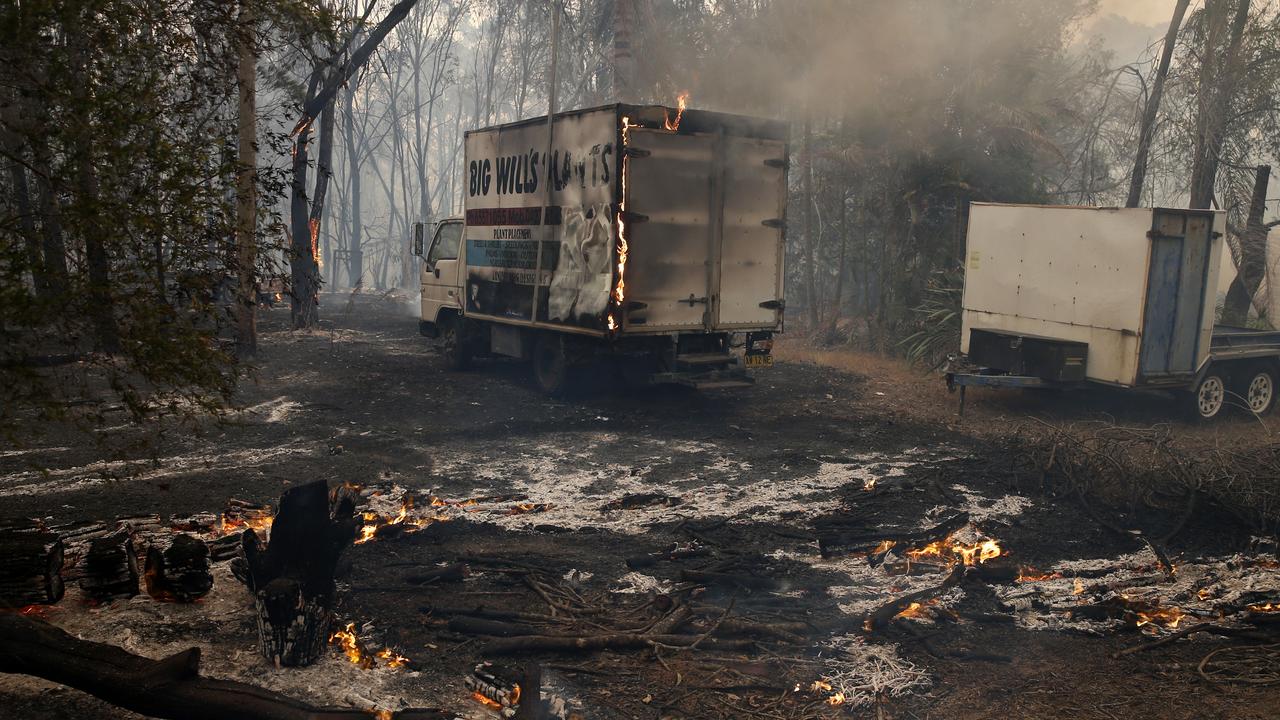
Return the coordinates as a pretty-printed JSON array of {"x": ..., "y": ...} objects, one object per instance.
[
  {"x": 180, "y": 572},
  {"x": 110, "y": 568},
  {"x": 292, "y": 577},
  {"x": 30, "y": 565}
]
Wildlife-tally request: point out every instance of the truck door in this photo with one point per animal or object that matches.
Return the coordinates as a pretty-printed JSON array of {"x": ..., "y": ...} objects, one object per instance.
[
  {"x": 749, "y": 282},
  {"x": 1180, "y": 253},
  {"x": 440, "y": 282}
]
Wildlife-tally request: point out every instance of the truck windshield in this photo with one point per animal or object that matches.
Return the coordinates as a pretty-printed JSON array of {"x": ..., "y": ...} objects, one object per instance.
[{"x": 446, "y": 245}]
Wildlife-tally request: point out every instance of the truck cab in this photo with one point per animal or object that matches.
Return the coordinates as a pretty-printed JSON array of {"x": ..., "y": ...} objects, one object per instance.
[{"x": 440, "y": 274}]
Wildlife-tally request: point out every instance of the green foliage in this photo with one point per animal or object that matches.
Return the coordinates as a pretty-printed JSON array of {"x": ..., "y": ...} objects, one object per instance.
[{"x": 937, "y": 318}]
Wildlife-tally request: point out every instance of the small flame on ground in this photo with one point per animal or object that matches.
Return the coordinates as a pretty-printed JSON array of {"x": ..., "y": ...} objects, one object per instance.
[
  {"x": 373, "y": 522},
  {"x": 392, "y": 659},
  {"x": 1164, "y": 617},
  {"x": 682, "y": 101},
  {"x": 1269, "y": 607},
  {"x": 836, "y": 700},
  {"x": 914, "y": 610},
  {"x": 869, "y": 484},
  {"x": 259, "y": 521},
  {"x": 486, "y": 701},
  {"x": 347, "y": 641},
  {"x": 884, "y": 547},
  {"x": 1077, "y": 587},
  {"x": 969, "y": 554}
]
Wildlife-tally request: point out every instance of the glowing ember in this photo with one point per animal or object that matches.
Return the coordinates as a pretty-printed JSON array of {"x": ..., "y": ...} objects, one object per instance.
[
  {"x": 486, "y": 701},
  {"x": 1270, "y": 607},
  {"x": 820, "y": 686},
  {"x": 869, "y": 484},
  {"x": 884, "y": 547},
  {"x": 1077, "y": 587},
  {"x": 682, "y": 101},
  {"x": 373, "y": 522},
  {"x": 836, "y": 699},
  {"x": 1030, "y": 574},
  {"x": 258, "y": 520}
]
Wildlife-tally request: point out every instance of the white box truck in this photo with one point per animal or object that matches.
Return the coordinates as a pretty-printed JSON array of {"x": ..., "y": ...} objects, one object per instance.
[
  {"x": 1057, "y": 296},
  {"x": 654, "y": 236}
]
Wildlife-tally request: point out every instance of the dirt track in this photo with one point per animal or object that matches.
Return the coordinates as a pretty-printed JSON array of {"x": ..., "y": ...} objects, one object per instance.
[{"x": 366, "y": 401}]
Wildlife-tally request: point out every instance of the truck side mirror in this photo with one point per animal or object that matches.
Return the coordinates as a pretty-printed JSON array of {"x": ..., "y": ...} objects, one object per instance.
[{"x": 417, "y": 238}]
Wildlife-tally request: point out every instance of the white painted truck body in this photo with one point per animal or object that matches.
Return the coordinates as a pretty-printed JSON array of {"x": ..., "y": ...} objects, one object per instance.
[
  {"x": 651, "y": 227},
  {"x": 1136, "y": 285}
]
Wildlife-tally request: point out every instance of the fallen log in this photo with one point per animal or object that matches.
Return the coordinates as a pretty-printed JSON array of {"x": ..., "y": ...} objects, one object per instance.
[
  {"x": 292, "y": 578},
  {"x": 180, "y": 572},
  {"x": 170, "y": 688},
  {"x": 450, "y": 573},
  {"x": 867, "y": 542},
  {"x": 608, "y": 641},
  {"x": 30, "y": 567}
]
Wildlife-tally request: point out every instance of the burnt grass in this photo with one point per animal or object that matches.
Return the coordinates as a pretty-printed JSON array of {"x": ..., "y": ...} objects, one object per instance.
[{"x": 374, "y": 407}]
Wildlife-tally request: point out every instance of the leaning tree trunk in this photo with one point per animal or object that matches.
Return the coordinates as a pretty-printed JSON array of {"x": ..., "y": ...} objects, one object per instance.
[
  {"x": 1252, "y": 255},
  {"x": 1217, "y": 88},
  {"x": 1153, "y": 107},
  {"x": 292, "y": 578}
]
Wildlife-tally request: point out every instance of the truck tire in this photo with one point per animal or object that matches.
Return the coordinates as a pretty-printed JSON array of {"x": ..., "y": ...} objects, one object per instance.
[
  {"x": 454, "y": 344},
  {"x": 1208, "y": 398},
  {"x": 550, "y": 364},
  {"x": 1256, "y": 387}
]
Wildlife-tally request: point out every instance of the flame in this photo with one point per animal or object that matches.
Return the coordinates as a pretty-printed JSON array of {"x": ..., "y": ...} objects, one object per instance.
[
  {"x": 682, "y": 101},
  {"x": 969, "y": 554},
  {"x": 869, "y": 484},
  {"x": 347, "y": 641},
  {"x": 1204, "y": 593},
  {"x": 836, "y": 700},
  {"x": 1077, "y": 587},
  {"x": 620, "y": 290},
  {"x": 526, "y": 507},
  {"x": 257, "y": 520},
  {"x": 373, "y": 521},
  {"x": 486, "y": 701},
  {"x": 1164, "y": 617},
  {"x": 392, "y": 659},
  {"x": 820, "y": 686},
  {"x": 913, "y": 610},
  {"x": 884, "y": 547},
  {"x": 1030, "y": 574},
  {"x": 1269, "y": 607}
]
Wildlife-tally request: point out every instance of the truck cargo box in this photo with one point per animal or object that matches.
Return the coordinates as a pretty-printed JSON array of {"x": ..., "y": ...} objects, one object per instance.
[
  {"x": 1137, "y": 286},
  {"x": 656, "y": 222}
]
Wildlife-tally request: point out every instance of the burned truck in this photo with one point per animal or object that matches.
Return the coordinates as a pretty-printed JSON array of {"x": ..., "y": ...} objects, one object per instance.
[{"x": 644, "y": 236}]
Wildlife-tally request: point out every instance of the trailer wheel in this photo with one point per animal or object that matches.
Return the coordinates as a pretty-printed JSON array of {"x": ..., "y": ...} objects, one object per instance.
[
  {"x": 453, "y": 343},
  {"x": 550, "y": 365},
  {"x": 1257, "y": 388},
  {"x": 1208, "y": 397}
]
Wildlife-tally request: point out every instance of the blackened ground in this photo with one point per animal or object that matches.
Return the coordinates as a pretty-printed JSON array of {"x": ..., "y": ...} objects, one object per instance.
[{"x": 366, "y": 400}]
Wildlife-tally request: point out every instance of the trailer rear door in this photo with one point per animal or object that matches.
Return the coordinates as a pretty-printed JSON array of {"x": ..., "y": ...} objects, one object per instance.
[{"x": 1181, "y": 245}]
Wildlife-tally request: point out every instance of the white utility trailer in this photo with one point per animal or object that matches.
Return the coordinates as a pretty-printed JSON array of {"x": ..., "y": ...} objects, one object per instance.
[
  {"x": 1057, "y": 296},
  {"x": 654, "y": 235}
]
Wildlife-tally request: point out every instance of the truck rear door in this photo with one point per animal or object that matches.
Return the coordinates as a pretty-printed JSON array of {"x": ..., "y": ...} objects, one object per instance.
[
  {"x": 705, "y": 238},
  {"x": 1181, "y": 243}
]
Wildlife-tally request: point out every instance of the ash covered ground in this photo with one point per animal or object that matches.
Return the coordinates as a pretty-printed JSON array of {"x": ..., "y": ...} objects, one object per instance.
[{"x": 546, "y": 499}]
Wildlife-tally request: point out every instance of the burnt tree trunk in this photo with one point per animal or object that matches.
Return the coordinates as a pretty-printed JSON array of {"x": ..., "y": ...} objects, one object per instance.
[
  {"x": 292, "y": 577},
  {"x": 110, "y": 567},
  {"x": 1218, "y": 80},
  {"x": 1152, "y": 108},
  {"x": 30, "y": 565},
  {"x": 180, "y": 572}
]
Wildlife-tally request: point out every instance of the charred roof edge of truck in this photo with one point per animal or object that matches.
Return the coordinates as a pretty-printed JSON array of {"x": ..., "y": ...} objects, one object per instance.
[{"x": 691, "y": 121}]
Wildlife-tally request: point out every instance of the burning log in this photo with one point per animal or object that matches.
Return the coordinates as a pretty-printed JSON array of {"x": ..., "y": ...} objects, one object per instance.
[
  {"x": 30, "y": 565},
  {"x": 110, "y": 567},
  {"x": 180, "y": 572},
  {"x": 880, "y": 618},
  {"x": 292, "y": 578},
  {"x": 169, "y": 688}
]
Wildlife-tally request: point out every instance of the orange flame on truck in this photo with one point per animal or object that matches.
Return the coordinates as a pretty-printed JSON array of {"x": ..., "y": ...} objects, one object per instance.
[
  {"x": 674, "y": 125},
  {"x": 620, "y": 289}
]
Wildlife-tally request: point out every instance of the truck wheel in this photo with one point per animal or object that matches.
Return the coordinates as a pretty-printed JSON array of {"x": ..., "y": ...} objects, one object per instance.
[
  {"x": 453, "y": 344},
  {"x": 1208, "y": 397},
  {"x": 550, "y": 366},
  {"x": 1257, "y": 388}
]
